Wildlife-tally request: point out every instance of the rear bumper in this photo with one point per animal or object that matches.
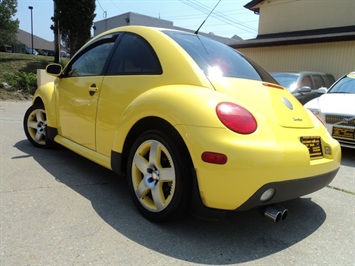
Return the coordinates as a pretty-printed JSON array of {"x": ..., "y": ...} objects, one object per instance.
[
  {"x": 287, "y": 190},
  {"x": 255, "y": 163}
]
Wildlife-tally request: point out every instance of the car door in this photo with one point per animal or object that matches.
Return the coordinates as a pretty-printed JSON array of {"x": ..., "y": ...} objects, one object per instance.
[
  {"x": 78, "y": 92},
  {"x": 318, "y": 82},
  {"x": 134, "y": 69},
  {"x": 301, "y": 93}
]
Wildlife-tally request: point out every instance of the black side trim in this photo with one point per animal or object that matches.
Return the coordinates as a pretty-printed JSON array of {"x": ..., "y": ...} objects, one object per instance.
[
  {"x": 51, "y": 132},
  {"x": 116, "y": 163},
  {"x": 287, "y": 190}
]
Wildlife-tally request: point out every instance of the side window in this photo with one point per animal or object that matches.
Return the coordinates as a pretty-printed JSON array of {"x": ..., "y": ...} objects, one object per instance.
[
  {"x": 307, "y": 81},
  {"x": 134, "y": 56},
  {"x": 91, "y": 62},
  {"x": 318, "y": 82},
  {"x": 329, "y": 80}
]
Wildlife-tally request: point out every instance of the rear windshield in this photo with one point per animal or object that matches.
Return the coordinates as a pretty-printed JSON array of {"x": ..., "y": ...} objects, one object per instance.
[{"x": 214, "y": 57}]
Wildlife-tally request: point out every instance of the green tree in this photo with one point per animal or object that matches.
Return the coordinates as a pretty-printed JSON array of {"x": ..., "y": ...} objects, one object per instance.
[
  {"x": 75, "y": 19},
  {"x": 8, "y": 26}
]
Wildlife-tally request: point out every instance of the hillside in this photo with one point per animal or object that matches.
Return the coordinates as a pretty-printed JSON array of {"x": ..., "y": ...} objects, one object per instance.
[{"x": 18, "y": 74}]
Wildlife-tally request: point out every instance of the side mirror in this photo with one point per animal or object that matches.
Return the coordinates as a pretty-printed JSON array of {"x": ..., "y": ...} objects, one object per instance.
[
  {"x": 322, "y": 90},
  {"x": 304, "y": 89},
  {"x": 54, "y": 69}
]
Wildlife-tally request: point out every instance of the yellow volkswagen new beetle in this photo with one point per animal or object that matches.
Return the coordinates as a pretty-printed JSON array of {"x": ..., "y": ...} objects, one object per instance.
[{"x": 191, "y": 123}]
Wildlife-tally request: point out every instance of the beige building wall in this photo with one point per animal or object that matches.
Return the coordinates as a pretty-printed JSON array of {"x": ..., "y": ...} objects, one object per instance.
[
  {"x": 336, "y": 58},
  {"x": 289, "y": 15}
]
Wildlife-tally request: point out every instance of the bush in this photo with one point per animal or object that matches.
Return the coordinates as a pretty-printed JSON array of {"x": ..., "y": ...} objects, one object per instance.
[{"x": 21, "y": 81}]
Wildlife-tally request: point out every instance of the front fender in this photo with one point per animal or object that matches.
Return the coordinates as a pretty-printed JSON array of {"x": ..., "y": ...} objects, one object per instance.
[
  {"x": 46, "y": 94},
  {"x": 176, "y": 104}
]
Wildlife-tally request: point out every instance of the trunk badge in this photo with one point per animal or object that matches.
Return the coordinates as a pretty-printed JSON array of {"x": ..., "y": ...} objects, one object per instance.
[{"x": 287, "y": 103}]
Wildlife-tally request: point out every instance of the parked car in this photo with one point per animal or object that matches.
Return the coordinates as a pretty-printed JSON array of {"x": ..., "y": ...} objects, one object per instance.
[
  {"x": 305, "y": 86},
  {"x": 64, "y": 54},
  {"x": 31, "y": 51},
  {"x": 189, "y": 121},
  {"x": 337, "y": 109}
]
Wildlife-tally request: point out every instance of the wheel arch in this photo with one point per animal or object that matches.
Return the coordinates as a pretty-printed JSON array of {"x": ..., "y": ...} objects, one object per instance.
[
  {"x": 46, "y": 95},
  {"x": 119, "y": 161}
]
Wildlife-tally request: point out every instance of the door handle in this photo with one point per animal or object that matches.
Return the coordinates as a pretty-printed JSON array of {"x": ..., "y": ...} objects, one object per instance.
[{"x": 93, "y": 89}]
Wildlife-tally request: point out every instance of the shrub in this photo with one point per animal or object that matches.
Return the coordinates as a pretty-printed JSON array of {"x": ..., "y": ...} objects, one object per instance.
[{"x": 21, "y": 81}]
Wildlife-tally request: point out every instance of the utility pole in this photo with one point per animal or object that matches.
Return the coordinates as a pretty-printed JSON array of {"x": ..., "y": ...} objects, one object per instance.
[
  {"x": 31, "y": 8},
  {"x": 56, "y": 35}
]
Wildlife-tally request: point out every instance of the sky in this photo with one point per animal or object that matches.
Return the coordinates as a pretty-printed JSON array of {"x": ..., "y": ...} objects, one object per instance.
[{"x": 229, "y": 18}]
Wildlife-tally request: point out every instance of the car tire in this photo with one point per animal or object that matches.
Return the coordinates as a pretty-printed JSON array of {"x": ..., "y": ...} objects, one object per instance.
[
  {"x": 159, "y": 176},
  {"x": 35, "y": 126}
]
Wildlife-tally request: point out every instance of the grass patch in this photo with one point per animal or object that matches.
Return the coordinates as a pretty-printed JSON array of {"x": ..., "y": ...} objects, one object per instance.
[
  {"x": 10, "y": 63},
  {"x": 18, "y": 73}
]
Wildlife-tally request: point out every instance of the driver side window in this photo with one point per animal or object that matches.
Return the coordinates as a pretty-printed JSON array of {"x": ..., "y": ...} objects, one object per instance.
[{"x": 91, "y": 62}]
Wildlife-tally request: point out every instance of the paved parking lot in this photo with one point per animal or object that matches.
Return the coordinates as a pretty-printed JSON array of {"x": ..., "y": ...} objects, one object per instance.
[{"x": 57, "y": 208}]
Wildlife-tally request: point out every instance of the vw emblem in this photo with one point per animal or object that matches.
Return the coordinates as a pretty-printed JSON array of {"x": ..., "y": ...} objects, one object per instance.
[{"x": 287, "y": 103}]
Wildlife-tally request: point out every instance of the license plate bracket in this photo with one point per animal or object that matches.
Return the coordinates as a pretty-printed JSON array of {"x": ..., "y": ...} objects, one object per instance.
[{"x": 314, "y": 145}]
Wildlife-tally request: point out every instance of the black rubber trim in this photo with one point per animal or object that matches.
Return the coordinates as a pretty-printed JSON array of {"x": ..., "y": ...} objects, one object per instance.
[
  {"x": 287, "y": 190},
  {"x": 51, "y": 132},
  {"x": 116, "y": 163}
]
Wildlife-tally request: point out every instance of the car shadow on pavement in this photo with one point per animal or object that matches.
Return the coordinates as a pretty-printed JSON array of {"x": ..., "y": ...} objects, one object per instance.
[{"x": 241, "y": 237}]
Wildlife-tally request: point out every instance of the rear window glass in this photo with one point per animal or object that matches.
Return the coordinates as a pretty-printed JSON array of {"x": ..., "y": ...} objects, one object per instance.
[{"x": 214, "y": 57}]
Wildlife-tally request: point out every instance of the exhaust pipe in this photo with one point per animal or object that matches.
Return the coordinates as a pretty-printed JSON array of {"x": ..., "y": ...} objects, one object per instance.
[{"x": 275, "y": 213}]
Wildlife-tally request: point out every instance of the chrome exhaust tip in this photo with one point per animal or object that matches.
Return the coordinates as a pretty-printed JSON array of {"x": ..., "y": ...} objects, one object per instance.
[{"x": 275, "y": 213}]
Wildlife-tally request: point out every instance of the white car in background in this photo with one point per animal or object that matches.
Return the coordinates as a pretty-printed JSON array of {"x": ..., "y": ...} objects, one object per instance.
[{"x": 337, "y": 109}]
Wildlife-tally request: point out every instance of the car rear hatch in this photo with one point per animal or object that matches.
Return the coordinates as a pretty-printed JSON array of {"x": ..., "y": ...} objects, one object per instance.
[{"x": 272, "y": 101}]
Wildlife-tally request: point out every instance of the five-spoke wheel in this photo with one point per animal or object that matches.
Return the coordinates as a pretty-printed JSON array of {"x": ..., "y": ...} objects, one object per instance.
[
  {"x": 158, "y": 176},
  {"x": 35, "y": 123}
]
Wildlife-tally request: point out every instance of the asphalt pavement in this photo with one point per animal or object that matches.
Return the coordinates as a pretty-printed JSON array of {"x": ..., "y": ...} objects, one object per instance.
[{"x": 57, "y": 208}]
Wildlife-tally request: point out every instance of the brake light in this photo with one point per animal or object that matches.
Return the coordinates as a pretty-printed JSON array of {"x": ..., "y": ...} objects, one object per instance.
[
  {"x": 271, "y": 85},
  {"x": 236, "y": 118}
]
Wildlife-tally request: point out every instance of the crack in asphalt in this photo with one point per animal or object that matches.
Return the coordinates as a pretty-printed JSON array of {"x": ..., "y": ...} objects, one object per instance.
[{"x": 342, "y": 190}]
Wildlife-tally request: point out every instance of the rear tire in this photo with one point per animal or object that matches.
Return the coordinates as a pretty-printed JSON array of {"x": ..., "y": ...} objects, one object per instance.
[{"x": 159, "y": 176}]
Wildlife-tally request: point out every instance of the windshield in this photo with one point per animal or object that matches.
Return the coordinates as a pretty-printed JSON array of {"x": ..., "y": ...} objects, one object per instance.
[
  {"x": 344, "y": 85},
  {"x": 215, "y": 58}
]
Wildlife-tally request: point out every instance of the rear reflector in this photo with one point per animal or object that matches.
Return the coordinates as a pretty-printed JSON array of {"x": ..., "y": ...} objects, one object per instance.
[{"x": 214, "y": 157}]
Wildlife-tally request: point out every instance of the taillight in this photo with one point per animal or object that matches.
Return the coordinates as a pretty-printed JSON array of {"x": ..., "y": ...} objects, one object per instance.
[{"x": 236, "y": 118}]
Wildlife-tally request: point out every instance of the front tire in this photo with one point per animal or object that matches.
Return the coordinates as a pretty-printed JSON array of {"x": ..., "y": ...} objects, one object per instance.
[
  {"x": 35, "y": 126},
  {"x": 159, "y": 176}
]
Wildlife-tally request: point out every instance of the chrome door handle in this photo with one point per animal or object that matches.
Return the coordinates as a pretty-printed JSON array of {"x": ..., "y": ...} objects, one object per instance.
[{"x": 93, "y": 88}]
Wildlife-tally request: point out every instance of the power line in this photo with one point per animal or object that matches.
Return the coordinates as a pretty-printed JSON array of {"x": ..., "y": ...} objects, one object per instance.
[
  {"x": 104, "y": 14},
  {"x": 218, "y": 15}
]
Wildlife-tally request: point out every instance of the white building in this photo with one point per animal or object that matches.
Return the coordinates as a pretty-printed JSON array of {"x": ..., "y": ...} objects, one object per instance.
[{"x": 138, "y": 19}]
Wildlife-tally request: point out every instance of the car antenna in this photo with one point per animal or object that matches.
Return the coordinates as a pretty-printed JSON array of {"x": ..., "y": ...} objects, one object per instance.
[{"x": 196, "y": 32}]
